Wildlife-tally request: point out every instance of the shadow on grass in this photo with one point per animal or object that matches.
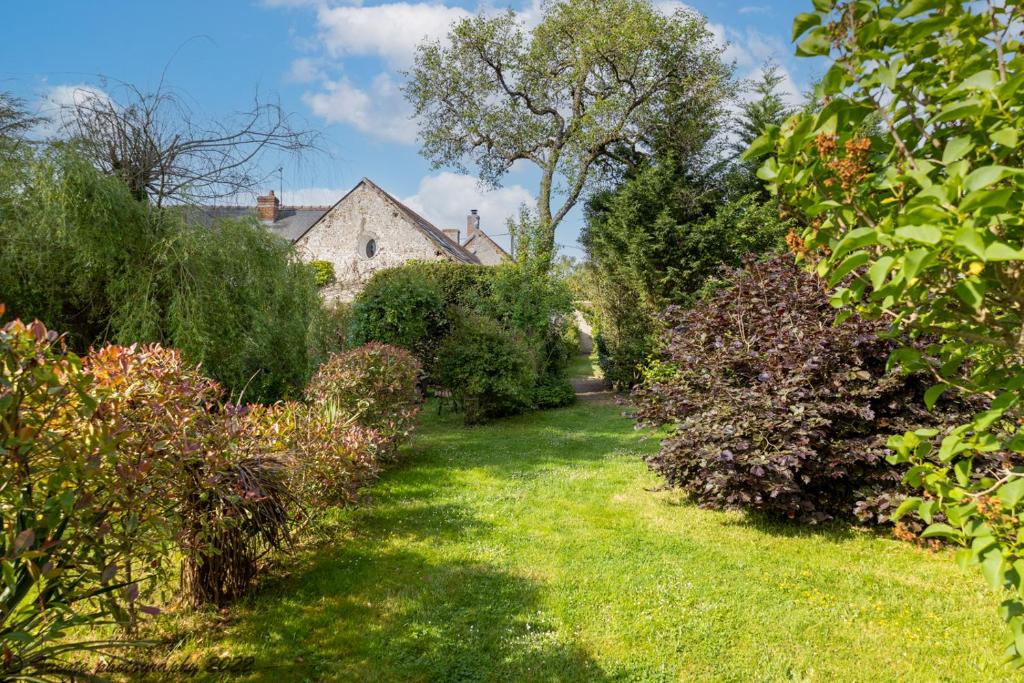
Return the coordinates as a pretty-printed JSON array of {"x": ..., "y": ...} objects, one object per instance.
[{"x": 360, "y": 614}]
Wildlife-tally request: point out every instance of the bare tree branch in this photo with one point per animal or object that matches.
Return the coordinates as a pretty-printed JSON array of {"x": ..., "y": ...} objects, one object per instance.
[{"x": 166, "y": 154}]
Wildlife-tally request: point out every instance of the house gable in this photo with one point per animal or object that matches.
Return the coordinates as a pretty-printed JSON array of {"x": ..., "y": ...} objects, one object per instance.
[
  {"x": 486, "y": 250},
  {"x": 367, "y": 230}
]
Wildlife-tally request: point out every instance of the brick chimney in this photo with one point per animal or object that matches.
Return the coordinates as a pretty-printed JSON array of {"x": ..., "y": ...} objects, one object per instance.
[
  {"x": 472, "y": 224},
  {"x": 266, "y": 207},
  {"x": 453, "y": 234}
]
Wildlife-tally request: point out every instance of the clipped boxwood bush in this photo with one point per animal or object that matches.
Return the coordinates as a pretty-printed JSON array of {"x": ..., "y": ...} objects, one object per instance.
[
  {"x": 775, "y": 408},
  {"x": 488, "y": 368}
]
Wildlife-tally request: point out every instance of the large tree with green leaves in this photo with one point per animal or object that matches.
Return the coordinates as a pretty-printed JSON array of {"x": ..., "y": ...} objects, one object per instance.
[
  {"x": 578, "y": 95},
  {"x": 911, "y": 180}
]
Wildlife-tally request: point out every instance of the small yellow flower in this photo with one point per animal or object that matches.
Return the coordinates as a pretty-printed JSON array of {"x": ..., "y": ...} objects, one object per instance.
[{"x": 975, "y": 267}]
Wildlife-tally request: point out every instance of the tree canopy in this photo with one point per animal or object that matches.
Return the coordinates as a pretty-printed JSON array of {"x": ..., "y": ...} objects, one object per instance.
[{"x": 593, "y": 83}]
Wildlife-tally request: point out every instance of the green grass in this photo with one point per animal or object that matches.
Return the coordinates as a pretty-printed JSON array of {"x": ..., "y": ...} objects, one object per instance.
[{"x": 533, "y": 549}]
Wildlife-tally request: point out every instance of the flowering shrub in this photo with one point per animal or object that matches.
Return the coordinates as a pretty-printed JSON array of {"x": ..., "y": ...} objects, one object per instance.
[
  {"x": 57, "y": 552},
  {"x": 374, "y": 386},
  {"x": 116, "y": 466},
  {"x": 330, "y": 457},
  {"x": 775, "y": 408},
  {"x": 195, "y": 471}
]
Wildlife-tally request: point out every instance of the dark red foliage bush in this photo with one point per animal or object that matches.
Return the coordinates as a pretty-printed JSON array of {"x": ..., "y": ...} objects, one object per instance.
[{"x": 775, "y": 408}]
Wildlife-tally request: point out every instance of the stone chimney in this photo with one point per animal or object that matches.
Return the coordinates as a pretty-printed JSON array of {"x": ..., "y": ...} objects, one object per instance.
[
  {"x": 472, "y": 225},
  {"x": 453, "y": 234},
  {"x": 266, "y": 207}
]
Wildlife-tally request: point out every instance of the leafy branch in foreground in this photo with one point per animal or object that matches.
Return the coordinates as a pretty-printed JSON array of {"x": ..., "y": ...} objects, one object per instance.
[{"x": 911, "y": 178}]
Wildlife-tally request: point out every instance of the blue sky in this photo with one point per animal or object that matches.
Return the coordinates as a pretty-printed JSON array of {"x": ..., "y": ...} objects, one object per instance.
[{"x": 335, "y": 64}]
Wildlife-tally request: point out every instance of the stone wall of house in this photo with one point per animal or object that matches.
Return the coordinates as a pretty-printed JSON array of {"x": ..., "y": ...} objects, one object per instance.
[
  {"x": 485, "y": 250},
  {"x": 341, "y": 237}
]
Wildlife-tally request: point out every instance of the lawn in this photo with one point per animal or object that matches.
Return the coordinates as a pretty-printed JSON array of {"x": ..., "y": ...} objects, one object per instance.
[{"x": 537, "y": 549}]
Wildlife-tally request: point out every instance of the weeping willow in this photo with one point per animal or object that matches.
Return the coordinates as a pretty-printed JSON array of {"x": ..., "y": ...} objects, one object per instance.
[{"x": 80, "y": 253}]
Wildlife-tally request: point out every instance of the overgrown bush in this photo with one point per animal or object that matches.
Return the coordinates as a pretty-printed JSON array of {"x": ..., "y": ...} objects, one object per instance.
[
  {"x": 400, "y": 307},
  {"x": 192, "y": 467},
  {"x": 488, "y": 368},
  {"x": 84, "y": 255},
  {"x": 420, "y": 305},
  {"x": 330, "y": 456},
  {"x": 234, "y": 298},
  {"x": 775, "y": 408},
  {"x": 375, "y": 386}
]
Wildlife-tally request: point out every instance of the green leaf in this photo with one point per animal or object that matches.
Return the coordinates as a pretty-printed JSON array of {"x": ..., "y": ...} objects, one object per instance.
[
  {"x": 992, "y": 568},
  {"x": 940, "y": 530},
  {"x": 879, "y": 269},
  {"x": 983, "y": 199},
  {"x": 1011, "y": 492},
  {"x": 968, "y": 238},
  {"x": 933, "y": 394},
  {"x": 803, "y": 22},
  {"x": 928, "y": 234},
  {"x": 986, "y": 419},
  {"x": 1000, "y": 251},
  {"x": 816, "y": 44},
  {"x": 956, "y": 148},
  {"x": 972, "y": 292},
  {"x": 915, "y": 7},
  {"x": 759, "y": 147},
  {"x": 962, "y": 470},
  {"x": 985, "y": 176},
  {"x": 769, "y": 170},
  {"x": 855, "y": 239},
  {"x": 983, "y": 80},
  {"x": 843, "y": 269},
  {"x": 908, "y": 505},
  {"x": 1007, "y": 137}
]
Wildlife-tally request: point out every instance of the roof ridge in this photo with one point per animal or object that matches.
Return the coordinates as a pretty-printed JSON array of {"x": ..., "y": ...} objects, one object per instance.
[
  {"x": 424, "y": 224},
  {"x": 482, "y": 233}
]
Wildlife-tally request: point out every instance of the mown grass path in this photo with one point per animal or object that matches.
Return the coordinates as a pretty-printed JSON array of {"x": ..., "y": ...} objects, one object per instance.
[{"x": 534, "y": 549}]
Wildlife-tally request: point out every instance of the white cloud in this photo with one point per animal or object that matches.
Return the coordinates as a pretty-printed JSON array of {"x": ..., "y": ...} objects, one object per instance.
[
  {"x": 57, "y": 100},
  {"x": 390, "y": 31},
  {"x": 445, "y": 199},
  {"x": 305, "y": 70},
  {"x": 753, "y": 9},
  {"x": 380, "y": 111}
]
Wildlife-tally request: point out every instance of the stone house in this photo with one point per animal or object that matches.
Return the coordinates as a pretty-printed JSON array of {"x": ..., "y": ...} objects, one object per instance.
[{"x": 364, "y": 231}]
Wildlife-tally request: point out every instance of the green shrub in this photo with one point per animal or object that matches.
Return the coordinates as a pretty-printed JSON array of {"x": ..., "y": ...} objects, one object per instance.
[
  {"x": 400, "y": 307},
  {"x": 910, "y": 175},
  {"x": 329, "y": 332},
  {"x": 373, "y": 385},
  {"x": 82, "y": 254},
  {"x": 488, "y": 368},
  {"x": 774, "y": 407},
  {"x": 323, "y": 273}
]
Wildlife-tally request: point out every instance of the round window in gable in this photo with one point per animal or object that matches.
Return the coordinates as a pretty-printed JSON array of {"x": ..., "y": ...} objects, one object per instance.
[{"x": 371, "y": 248}]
